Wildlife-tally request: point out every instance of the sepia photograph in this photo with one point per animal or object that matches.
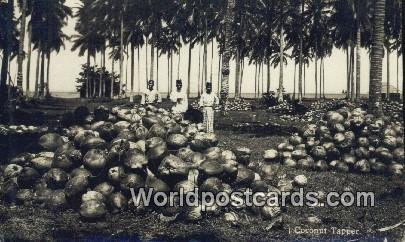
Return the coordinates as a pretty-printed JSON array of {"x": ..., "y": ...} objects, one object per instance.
[{"x": 201, "y": 120}]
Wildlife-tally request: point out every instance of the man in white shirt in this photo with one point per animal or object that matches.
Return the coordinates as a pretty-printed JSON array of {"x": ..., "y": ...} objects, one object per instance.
[
  {"x": 179, "y": 98},
  {"x": 208, "y": 101},
  {"x": 151, "y": 96}
]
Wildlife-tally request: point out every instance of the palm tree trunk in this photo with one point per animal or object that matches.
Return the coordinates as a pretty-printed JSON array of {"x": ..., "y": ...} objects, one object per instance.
[
  {"x": 397, "y": 72},
  {"x": 212, "y": 59},
  {"x": 190, "y": 47},
  {"x": 255, "y": 80},
  {"x": 358, "y": 42},
  {"x": 320, "y": 78},
  {"x": 280, "y": 97},
  {"x": 112, "y": 79},
  {"x": 199, "y": 72},
  {"x": 42, "y": 80},
  {"x": 237, "y": 70},
  {"x": 47, "y": 73},
  {"x": 37, "y": 74},
  {"x": 88, "y": 75},
  {"x": 152, "y": 62},
  {"x": 229, "y": 16},
  {"x": 388, "y": 73},
  {"x": 300, "y": 55},
  {"x": 29, "y": 58},
  {"x": 168, "y": 74},
  {"x": 121, "y": 53},
  {"x": 305, "y": 80},
  {"x": 295, "y": 73},
  {"x": 316, "y": 71},
  {"x": 178, "y": 65},
  {"x": 348, "y": 73},
  {"x": 219, "y": 72},
  {"x": 241, "y": 76},
  {"x": 268, "y": 75},
  {"x": 323, "y": 78},
  {"x": 139, "y": 69},
  {"x": 146, "y": 60},
  {"x": 171, "y": 73},
  {"x": 157, "y": 69},
  {"x": 376, "y": 56},
  {"x": 353, "y": 90},
  {"x": 132, "y": 67},
  {"x": 20, "y": 57}
]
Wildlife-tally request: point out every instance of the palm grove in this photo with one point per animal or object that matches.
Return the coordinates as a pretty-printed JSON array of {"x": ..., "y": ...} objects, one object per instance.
[{"x": 264, "y": 33}]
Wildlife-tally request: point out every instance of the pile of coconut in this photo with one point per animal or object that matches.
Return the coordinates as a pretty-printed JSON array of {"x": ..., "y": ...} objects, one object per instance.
[
  {"x": 92, "y": 166},
  {"x": 7, "y": 130},
  {"x": 345, "y": 140}
]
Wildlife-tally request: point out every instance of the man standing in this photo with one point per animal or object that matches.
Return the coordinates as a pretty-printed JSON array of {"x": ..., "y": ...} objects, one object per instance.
[
  {"x": 179, "y": 98},
  {"x": 151, "y": 96},
  {"x": 208, "y": 101}
]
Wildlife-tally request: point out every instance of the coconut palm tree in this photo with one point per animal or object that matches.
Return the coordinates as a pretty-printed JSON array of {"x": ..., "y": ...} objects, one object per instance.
[
  {"x": 228, "y": 19},
  {"x": 20, "y": 59},
  {"x": 376, "y": 56}
]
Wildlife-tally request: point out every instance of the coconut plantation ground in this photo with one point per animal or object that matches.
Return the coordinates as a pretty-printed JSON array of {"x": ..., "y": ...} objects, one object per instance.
[{"x": 37, "y": 223}]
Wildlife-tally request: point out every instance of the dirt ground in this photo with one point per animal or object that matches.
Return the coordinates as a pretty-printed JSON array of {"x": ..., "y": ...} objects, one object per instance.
[{"x": 35, "y": 224}]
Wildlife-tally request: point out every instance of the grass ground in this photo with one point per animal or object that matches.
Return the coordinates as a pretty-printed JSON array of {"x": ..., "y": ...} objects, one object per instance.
[{"x": 27, "y": 223}]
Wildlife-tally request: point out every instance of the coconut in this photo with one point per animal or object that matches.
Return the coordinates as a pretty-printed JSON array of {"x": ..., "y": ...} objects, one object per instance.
[
  {"x": 50, "y": 142},
  {"x": 245, "y": 176},
  {"x": 12, "y": 170},
  {"x": 295, "y": 140},
  {"x": 56, "y": 200},
  {"x": 212, "y": 184},
  {"x": 8, "y": 190},
  {"x": 117, "y": 202},
  {"x": 93, "y": 210},
  {"x": 173, "y": 128},
  {"x": 299, "y": 154},
  {"x": 362, "y": 166},
  {"x": 390, "y": 142},
  {"x": 267, "y": 172},
  {"x": 134, "y": 181},
  {"x": 95, "y": 160},
  {"x": 23, "y": 159},
  {"x": 186, "y": 186},
  {"x": 270, "y": 212},
  {"x": 210, "y": 168},
  {"x": 157, "y": 130},
  {"x": 307, "y": 163},
  {"x": 173, "y": 168},
  {"x": 377, "y": 167},
  {"x": 141, "y": 133},
  {"x": 135, "y": 161},
  {"x": 80, "y": 172},
  {"x": 153, "y": 142},
  {"x": 228, "y": 155},
  {"x": 321, "y": 165},
  {"x": 318, "y": 152},
  {"x": 43, "y": 161},
  {"x": 156, "y": 155},
  {"x": 396, "y": 169},
  {"x": 176, "y": 141},
  {"x": 101, "y": 113},
  {"x": 82, "y": 135},
  {"x": 152, "y": 182},
  {"x": 93, "y": 143},
  {"x": 27, "y": 177},
  {"x": 149, "y": 121},
  {"x": 24, "y": 196},
  {"x": 92, "y": 196},
  {"x": 270, "y": 155},
  {"x": 230, "y": 169},
  {"x": 196, "y": 159},
  {"x": 105, "y": 189},
  {"x": 126, "y": 135},
  {"x": 185, "y": 154},
  {"x": 76, "y": 186},
  {"x": 290, "y": 162},
  {"x": 122, "y": 125},
  {"x": 115, "y": 174},
  {"x": 242, "y": 155},
  {"x": 56, "y": 178},
  {"x": 213, "y": 153},
  {"x": 399, "y": 155}
]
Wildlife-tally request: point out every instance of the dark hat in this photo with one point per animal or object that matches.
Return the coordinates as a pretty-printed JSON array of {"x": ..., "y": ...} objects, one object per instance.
[
  {"x": 151, "y": 82},
  {"x": 179, "y": 82},
  {"x": 208, "y": 84}
]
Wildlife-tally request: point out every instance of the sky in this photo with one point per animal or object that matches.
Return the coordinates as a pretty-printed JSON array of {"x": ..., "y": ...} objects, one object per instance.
[{"x": 66, "y": 65}]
